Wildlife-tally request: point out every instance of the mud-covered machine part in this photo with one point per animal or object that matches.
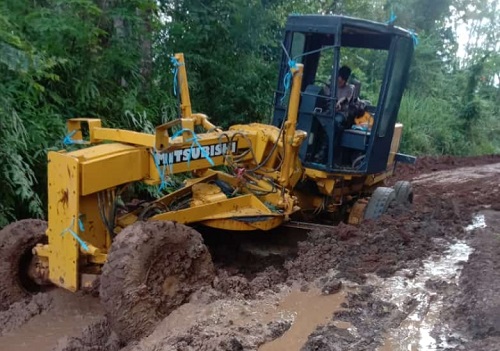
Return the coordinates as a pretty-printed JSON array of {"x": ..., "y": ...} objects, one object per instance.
[
  {"x": 404, "y": 192},
  {"x": 22, "y": 272},
  {"x": 152, "y": 268}
]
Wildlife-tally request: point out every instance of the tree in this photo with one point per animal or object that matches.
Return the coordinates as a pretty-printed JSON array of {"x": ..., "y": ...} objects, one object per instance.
[
  {"x": 111, "y": 59},
  {"x": 61, "y": 59}
]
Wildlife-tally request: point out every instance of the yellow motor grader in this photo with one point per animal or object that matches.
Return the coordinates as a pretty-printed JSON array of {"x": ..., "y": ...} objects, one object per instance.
[{"x": 310, "y": 164}]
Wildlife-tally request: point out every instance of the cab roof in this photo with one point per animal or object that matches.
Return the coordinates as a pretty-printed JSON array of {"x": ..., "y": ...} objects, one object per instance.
[{"x": 355, "y": 32}]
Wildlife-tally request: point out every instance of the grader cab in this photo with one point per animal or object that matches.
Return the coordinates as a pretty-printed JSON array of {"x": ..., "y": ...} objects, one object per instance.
[
  {"x": 310, "y": 164},
  {"x": 323, "y": 44}
]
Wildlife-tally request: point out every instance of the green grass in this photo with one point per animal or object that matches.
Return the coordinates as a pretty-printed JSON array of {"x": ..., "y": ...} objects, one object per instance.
[{"x": 432, "y": 126}]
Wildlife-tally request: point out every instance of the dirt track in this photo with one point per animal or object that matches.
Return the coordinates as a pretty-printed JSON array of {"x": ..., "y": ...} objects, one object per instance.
[{"x": 415, "y": 280}]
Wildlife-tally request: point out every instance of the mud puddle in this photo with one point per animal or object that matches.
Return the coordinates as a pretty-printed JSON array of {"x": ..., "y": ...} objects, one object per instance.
[
  {"x": 68, "y": 315},
  {"x": 417, "y": 297},
  {"x": 273, "y": 321},
  {"x": 479, "y": 221},
  {"x": 307, "y": 310}
]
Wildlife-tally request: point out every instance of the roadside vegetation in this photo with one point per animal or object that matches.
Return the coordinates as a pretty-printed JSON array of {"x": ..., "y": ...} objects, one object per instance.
[{"x": 111, "y": 59}]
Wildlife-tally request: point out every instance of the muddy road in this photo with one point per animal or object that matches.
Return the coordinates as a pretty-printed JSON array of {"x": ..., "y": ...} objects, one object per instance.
[{"x": 420, "y": 279}]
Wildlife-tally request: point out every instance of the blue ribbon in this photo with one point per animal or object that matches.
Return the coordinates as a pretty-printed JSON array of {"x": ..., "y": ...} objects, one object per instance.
[
  {"x": 77, "y": 238},
  {"x": 288, "y": 78},
  {"x": 392, "y": 19},
  {"x": 414, "y": 36},
  {"x": 161, "y": 171},
  {"x": 67, "y": 139},
  {"x": 195, "y": 142},
  {"x": 80, "y": 224},
  {"x": 175, "y": 71}
]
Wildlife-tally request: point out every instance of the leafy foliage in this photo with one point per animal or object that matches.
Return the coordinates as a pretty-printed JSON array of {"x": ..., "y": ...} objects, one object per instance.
[
  {"x": 62, "y": 59},
  {"x": 111, "y": 59}
]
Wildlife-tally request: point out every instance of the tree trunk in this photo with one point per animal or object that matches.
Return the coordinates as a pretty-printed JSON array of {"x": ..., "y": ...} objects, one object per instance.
[{"x": 146, "y": 45}]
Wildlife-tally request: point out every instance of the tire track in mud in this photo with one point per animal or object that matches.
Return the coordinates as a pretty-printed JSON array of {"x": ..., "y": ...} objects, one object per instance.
[
  {"x": 459, "y": 175},
  {"x": 39, "y": 322},
  {"x": 470, "y": 319},
  {"x": 423, "y": 298}
]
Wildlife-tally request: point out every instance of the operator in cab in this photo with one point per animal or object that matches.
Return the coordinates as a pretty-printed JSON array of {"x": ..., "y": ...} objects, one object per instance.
[
  {"x": 345, "y": 91},
  {"x": 352, "y": 106}
]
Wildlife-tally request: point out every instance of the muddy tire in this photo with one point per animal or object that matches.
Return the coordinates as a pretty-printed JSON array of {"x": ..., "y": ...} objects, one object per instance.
[
  {"x": 404, "y": 192},
  {"x": 16, "y": 242},
  {"x": 152, "y": 268},
  {"x": 379, "y": 202}
]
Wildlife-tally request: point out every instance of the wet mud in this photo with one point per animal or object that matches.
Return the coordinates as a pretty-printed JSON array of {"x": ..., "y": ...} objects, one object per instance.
[
  {"x": 471, "y": 319},
  {"x": 41, "y": 322},
  {"x": 214, "y": 321},
  {"x": 22, "y": 311},
  {"x": 430, "y": 164},
  {"x": 306, "y": 310},
  {"x": 359, "y": 326},
  {"x": 380, "y": 286},
  {"x": 422, "y": 299},
  {"x": 97, "y": 336}
]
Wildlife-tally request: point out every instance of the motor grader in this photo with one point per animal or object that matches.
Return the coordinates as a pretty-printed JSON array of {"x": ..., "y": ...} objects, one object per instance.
[{"x": 310, "y": 164}]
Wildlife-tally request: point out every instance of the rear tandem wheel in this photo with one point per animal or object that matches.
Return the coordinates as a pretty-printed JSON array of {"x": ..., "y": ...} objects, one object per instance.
[
  {"x": 152, "y": 268},
  {"x": 404, "y": 192}
]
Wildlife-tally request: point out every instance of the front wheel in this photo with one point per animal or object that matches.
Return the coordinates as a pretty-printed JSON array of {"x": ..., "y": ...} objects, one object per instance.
[
  {"x": 16, "y": 259},
  {"x": 152, "y": 268}
]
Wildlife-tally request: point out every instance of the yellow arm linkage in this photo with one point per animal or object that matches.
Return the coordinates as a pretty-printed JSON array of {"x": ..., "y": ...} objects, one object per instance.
[{"x": 84, "y": 184}]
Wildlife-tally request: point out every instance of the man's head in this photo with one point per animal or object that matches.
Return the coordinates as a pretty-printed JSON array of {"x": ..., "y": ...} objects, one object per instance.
[{"x": 343, "y": 76}]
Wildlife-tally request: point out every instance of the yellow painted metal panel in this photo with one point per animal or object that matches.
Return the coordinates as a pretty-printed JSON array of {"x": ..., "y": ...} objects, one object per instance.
[
  {"x": 115, "y": 169},
  {"x": 396, "y": 140},
  {"x": 98, "y": 151},
  {"x": 213, "y": 138},
  {"x": 235, "y": 225},
  {"x": 64, "y": 196},
  {"x": 184, "y": 86},
  {"x": 378, "y": 178},
  {"x": 125, "y": 136},
  {"x": 290, "y": 127},
  {"x": 75, "y": 124},
  {"x": 95, "y": 231},
  {"x": 263, "y": 138},
  {"x": 241, "y": 206}
]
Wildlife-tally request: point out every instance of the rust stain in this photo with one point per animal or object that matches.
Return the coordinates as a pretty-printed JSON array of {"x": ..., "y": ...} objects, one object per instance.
[
  {"x": 69, "y": 171},
  {"x": 64, "y": 200}
]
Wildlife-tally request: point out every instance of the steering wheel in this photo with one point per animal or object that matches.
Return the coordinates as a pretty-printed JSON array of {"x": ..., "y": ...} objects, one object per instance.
[
  {"x": 322, "y": 82},
  {"x": 325, "y": 87}
]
